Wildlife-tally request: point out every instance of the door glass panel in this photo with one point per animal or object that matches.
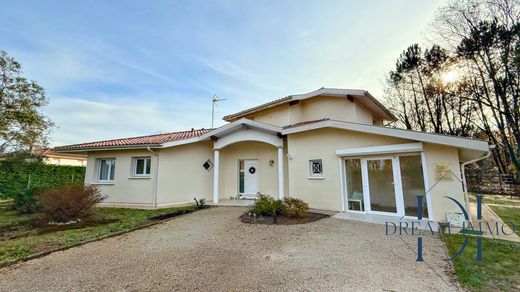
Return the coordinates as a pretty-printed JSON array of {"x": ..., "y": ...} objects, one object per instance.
[
  {"x": 241, "y": 176},
  {"x": 381, "y": 185},
  {"x": 354, "y": 185},
  {"x": 413, "y": 184}
]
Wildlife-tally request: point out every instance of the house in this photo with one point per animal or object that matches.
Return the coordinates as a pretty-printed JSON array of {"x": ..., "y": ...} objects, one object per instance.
[
  {"x": 328, "y": 147},
  {"x": 49, "y": 156}
]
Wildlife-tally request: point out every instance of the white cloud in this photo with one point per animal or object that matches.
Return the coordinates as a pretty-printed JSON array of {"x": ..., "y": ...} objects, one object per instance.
[{"x": 82, "y": 120}]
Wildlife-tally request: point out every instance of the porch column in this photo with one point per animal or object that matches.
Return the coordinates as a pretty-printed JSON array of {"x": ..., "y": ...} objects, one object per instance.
[
  {"x": 215, "y": 175},
  {"x": 281, "y": 188}
]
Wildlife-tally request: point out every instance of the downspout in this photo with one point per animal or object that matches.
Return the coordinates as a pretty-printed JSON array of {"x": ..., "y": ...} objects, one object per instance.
[
  {"x": 155, "y": 178},
  {"x": 463, "y": 166}
]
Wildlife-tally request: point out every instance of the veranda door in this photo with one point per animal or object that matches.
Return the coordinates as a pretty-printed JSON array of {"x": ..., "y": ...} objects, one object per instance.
[{"x": 381, "y": 185}]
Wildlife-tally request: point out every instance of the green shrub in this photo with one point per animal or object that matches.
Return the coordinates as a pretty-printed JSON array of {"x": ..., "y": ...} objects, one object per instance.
[
  {"x": 295, "y": 208},
  {"x": 26, "y": 202},
  {"x": 267, "y": 206},
  {"x": 69, "y": 202}
]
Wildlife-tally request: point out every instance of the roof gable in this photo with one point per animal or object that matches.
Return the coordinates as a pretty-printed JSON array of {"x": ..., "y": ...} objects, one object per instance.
[{"x": 361, "y": 96}]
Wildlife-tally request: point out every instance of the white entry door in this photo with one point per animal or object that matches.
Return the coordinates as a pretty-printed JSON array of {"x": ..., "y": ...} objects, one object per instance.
[{"x": 250, "y": 177}]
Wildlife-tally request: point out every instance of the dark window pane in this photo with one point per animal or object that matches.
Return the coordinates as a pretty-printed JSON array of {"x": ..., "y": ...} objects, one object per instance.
[
  {"x": 103, "y": 170},
  {"x": 148, "y": 165},
  {"x": 139, "y": 166},
  {"x": 112, "y": 168}
]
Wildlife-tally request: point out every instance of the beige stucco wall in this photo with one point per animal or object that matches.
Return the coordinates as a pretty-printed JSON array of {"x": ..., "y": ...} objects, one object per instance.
[
  {"x": 326, "y": 193},
  {"x": 363, "y": 115},
  {"x": 125, "y": 190},
  {"x": 319, "y": 107},
  {"x": 65, "y": 161},
  {"x": 336, "y": 108},
  {"x": 278, "y": 116},
  {"x": 181, "y": 175},
  {"x": 267, "y": 175},
  {"x": 322, "y": 144},
  {"x": 445, "y": 156}
]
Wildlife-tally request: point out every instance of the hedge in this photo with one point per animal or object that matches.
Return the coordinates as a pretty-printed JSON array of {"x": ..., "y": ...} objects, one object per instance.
[{"x": 16, "y": 175}]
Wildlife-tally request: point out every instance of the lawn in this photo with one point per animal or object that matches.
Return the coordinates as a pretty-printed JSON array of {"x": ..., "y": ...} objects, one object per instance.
[
  {"x": 508, "y": 215},
  {"x": 496, "y": 199},
  {"x": 498, "y": 271},
  {"x": 24, "y": 235}
]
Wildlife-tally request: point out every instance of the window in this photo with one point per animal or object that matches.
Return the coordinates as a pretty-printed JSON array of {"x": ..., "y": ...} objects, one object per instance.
[
  {"x": 107, "y": 168},
  {"x": 142, "y": 166},
  {"x": 207, "y": 165},
  {"x": 316, "y": 168}
]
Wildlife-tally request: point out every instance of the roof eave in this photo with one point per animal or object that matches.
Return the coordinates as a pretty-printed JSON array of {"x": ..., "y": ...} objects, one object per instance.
[
  {"x": 457, "y": 142},
  {"x": 106, "y": 148}
]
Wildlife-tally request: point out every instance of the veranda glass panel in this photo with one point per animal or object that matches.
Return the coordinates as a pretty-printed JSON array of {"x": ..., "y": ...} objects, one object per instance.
[
  {"x": 354, "y": 185},
  {"x": 381, "y": 185},
  {"x": 413, "y": 184}
]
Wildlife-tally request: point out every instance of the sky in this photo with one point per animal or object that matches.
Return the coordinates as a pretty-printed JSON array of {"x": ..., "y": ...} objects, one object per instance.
[{"x": 114, "y": 69}]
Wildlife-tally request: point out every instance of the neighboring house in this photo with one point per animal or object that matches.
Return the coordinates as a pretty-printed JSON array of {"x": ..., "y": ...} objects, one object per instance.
[
  {"x": 50, "y": 156},
  {"x": 327, "y": 147}
]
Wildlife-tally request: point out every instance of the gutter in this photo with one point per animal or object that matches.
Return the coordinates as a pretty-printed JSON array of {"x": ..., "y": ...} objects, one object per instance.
[
  {"x": 464, "y": 183},
  {"x": 156, "y": 176}
]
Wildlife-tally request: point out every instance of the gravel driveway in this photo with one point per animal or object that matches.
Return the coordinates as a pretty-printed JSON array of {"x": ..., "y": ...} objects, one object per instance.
[{"x": 211, "y": 250}]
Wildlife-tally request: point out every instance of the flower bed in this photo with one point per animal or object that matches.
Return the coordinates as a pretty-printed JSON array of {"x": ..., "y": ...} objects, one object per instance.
[{"x": 282, "y": 220}]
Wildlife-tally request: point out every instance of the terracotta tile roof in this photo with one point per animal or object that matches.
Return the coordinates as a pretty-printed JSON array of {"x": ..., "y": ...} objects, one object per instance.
[
  {"x": 305, "y": 123},
  {"x": 151, "y": 140},
  {"x": 51, "y": 152}
]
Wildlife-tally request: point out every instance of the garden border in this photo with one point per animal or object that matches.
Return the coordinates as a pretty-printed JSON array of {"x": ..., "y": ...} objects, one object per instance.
[{"x": 44, "y": 253}]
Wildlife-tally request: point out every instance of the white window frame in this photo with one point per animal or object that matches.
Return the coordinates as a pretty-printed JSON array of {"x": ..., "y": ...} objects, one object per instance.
[
  {"x": 110, "y": 171},
  {"x": 312, "y": 174},
  {"x": 147, "y": 160}
]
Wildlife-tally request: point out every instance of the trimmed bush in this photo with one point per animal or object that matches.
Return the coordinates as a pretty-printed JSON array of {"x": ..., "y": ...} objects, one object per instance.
[
  {"x": 295, "y": 208},
  {"x": 25, "y": 202},
  {"x": 19, "y": 173},
  {"x": 69, "y": 202}
]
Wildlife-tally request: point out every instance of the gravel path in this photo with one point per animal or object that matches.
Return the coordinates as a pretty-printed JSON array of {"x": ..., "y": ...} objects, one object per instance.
[{"x": 211, "y": 250}]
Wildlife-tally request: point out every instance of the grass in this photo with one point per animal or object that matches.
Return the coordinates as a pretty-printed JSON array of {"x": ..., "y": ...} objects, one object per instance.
[
  {"x": 508, "y": 215},
  {"x": 22, "y": 235},
  {"x": 499, "y": 269},
  {"x": 496, "y": 199}
]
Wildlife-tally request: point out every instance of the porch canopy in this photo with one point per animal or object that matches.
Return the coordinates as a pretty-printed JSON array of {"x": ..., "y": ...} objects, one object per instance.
[{"x": 244, "y": 130}]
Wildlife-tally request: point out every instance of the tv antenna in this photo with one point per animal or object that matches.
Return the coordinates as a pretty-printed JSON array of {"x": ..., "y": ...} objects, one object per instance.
[{"x": 215, "y": 100}]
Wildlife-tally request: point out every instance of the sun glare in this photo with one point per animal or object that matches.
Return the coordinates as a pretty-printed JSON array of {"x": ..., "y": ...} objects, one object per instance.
[{"x": 450, "y": 76}]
